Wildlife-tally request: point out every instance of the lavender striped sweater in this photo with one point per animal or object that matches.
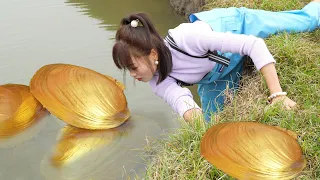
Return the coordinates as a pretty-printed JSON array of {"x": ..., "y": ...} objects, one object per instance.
[{"x": 196, "y": 39}]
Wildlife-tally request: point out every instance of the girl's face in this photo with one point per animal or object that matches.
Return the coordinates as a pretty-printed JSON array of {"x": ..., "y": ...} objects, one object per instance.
[{"x": 144, "y": 67}]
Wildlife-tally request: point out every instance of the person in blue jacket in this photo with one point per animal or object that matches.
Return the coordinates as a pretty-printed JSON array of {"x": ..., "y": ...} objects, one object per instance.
[{"x": 260, "y": 23}]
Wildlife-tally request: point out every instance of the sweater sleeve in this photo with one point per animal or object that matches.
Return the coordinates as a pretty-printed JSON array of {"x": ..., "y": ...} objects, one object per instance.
[
  {"x": 197, "y": 39},
  {"x": 180, "y": 99}
]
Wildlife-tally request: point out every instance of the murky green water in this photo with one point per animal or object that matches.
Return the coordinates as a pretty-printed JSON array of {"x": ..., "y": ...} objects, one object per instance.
[{"x": 35, "y": 33}]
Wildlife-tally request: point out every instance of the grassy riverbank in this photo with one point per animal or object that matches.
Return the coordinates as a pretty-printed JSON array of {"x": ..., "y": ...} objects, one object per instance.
[{"x": 298, "y": 64}]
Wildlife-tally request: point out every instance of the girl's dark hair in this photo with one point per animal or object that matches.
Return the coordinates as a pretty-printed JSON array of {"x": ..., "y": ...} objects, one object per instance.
[{"x": 139, "y": 41}]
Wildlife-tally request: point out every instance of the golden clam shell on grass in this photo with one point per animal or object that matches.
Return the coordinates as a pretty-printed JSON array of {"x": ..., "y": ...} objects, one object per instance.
[
  {"x": 18, "y": 109},
  {"x": 80, "y": 97},
  {"x": 250, "y": 150}
]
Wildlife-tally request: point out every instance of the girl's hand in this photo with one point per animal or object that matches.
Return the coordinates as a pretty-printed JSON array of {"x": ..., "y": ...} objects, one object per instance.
[
  {"x": 191, "y": 114},
  {"x": 287, "y": 102},
  {"x": 271, "y": 77}
]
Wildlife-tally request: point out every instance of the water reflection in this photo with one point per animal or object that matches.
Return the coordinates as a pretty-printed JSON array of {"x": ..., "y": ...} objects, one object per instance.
[
  {"x": 23, "y": 135},
  {"x": 86, "y": 154},
  {"x": 38, "y": 33},
  {"x": 75, "y": 143},
  {"x": 111, "y": 12}
]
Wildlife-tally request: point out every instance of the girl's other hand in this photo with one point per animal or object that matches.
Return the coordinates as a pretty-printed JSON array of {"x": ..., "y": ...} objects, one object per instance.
[{"x": 287, "y": 102}]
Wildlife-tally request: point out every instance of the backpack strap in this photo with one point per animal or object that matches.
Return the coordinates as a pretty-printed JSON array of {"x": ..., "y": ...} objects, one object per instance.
[{"x": 213, "y": 56}]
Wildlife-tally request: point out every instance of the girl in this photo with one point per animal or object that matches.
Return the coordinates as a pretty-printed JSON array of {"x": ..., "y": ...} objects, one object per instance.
[{"x": 208, "y": 51}]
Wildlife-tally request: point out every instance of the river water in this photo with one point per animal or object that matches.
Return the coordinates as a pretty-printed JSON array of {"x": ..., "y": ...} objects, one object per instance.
[{"x": 35, "y": 33}]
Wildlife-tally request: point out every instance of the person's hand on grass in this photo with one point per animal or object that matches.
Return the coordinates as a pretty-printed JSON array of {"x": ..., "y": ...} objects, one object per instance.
[{"x": 287, "y": 102}]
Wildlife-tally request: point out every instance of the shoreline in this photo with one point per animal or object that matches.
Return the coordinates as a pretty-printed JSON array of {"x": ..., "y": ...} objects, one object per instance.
[{"x": 186, "y": 7}]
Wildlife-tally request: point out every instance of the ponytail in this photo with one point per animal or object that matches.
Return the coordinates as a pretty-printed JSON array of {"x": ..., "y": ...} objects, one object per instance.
[{"x": 140, "y": 40}]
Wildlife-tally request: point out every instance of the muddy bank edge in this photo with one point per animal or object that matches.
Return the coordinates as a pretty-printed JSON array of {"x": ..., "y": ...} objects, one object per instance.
[{"x": 186, "y": 7}]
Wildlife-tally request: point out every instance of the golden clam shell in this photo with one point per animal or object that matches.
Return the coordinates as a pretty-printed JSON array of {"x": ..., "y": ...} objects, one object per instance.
[
  {"x": 18, "y": 109},
  {"x": 80, "y": 97},
  {"x": 251, "y": 150}
]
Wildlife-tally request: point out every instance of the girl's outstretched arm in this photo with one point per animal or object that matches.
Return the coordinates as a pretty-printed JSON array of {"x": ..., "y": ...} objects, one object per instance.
[
  {"x": 180, "y": 99},
  {"x": 269, "y": 73}
]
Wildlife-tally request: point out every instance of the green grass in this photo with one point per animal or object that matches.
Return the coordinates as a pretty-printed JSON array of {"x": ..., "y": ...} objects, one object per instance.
[{"x": 298, "y": 65}]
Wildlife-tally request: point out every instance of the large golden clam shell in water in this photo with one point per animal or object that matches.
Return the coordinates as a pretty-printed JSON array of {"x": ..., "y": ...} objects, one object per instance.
[
  {"x": 81, "y": 97},
  {"x": 250, "y": 150},
  {"x": 18, "y": 109}
]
